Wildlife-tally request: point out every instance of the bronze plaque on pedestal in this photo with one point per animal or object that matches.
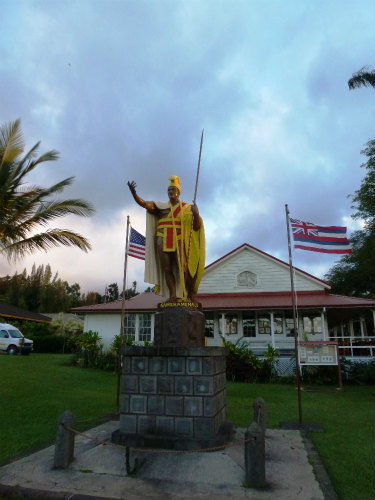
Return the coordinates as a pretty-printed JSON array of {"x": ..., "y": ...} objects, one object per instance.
[{"x": 179, "y": 324}]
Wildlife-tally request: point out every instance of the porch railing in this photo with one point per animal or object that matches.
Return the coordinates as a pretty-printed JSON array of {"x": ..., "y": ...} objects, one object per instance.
[
  {"x": 348, "y": 346},
  {"x": 356, "y": 346}
]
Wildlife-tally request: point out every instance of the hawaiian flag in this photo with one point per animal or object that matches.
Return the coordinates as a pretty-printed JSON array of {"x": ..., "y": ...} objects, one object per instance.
[
  {"x": 137, "y": 245},
  {"x": 325, "y": 239}
]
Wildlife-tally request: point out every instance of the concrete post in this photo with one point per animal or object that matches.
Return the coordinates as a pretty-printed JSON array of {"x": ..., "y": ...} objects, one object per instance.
[
  {"x": 255, "y": 457},
  {"x": 64, "y": 447},
  {"x": 260, "y": 413}
]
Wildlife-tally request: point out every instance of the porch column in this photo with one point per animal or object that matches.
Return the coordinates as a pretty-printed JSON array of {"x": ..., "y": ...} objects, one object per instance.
[
  {"x": 373, "y": 318},
  {"x": 272, "y": 331},
  {"x": 362, "y": 326},
  {"x": 323, "y": 318},
  {"x": 222, "y": 319},
  {"x": 351, "y": 328}
]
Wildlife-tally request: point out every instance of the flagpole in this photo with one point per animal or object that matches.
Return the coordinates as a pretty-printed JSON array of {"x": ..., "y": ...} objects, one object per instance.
[
  {"x": 195, "y": 195},
  {"x": 122, "y": 330},
  {"x": 294, "y": 318},
  {"x": 124, "y": 279}
]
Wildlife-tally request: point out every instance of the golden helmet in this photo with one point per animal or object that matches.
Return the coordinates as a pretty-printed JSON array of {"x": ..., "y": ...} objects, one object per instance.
[{"x": 175, "y": 182}]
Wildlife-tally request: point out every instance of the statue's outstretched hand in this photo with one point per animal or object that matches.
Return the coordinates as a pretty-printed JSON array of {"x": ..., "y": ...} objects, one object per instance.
[{"x": 132, "y": 185}]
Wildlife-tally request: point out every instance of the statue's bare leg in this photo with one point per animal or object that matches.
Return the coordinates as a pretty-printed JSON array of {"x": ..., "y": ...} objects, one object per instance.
[
  {"x": 189, "y": 281},
  {"x": 166, "y": 260}
]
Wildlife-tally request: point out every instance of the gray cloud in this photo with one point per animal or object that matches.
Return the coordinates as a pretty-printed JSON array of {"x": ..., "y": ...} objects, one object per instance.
[{"x": 123, "y": 90}]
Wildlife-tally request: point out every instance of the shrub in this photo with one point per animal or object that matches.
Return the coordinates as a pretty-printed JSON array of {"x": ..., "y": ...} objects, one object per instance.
[
  {"x": 33, "y": 329},
  {"x": 269, "y": 364},
  {"x": 49, "y": 343},
  {"x": 73, "y": 326},
  {"x": 90, "y": 347},
  {"x": 241, "y": 363},
  {"x": 116, "y": 344},
  {"x": 107, "y": 361},
  {"x": 320, "y": 375},
  {"x": 244, "y": 366},
  {"x": 126, "y": 341},
  {"x": 72, "y": 342},
  {"x": 356, "y": 372},
  {"x": 104, "y": 360},
  {"x": 353, "y": 372}
]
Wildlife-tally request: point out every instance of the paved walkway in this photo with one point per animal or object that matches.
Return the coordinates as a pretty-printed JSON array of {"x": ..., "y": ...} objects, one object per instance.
[{"x": 99, "y": 471}]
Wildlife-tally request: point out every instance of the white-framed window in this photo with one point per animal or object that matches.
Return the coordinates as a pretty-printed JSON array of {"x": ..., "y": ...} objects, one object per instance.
[
  {"x": 264, "y": 324},
  {"x": 209, "y": 326},
  {"x": 249, "y": 325},
  {"x": 312, "y": 324},
  {"x": 289, "y": 325},
  {"x": 278, "y": 320},
  {"x": 230, "y": 324},
  {"x": 129, "y": 325},
  {"x": 144, "y": 327}
]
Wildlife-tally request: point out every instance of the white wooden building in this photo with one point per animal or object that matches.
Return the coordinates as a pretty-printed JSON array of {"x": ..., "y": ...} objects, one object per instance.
[{"x": 246, "y": 294}]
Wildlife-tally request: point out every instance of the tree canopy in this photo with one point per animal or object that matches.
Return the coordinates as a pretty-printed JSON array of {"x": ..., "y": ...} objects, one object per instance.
[
  {"x": 111, "y": 292},
  {"x": 27, "y": 210},
  {"x": 131, "y": 292},
  {"x": 362, "y": 78},
  {"x": 43, "y": 291},
  {"x": 354, "y": 273}
]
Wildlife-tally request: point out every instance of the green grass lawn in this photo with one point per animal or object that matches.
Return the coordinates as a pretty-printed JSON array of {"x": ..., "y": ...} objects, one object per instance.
[{"x": 36, "y": 389}]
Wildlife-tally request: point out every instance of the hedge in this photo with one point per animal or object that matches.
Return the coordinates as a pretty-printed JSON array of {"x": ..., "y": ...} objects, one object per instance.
[{"x": 49, "y": 343}]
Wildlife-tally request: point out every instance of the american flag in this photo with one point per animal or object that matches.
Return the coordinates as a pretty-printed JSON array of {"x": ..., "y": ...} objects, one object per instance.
[
  {"x": 325, "y": 239},
  {"x": 137, "y": 245}
]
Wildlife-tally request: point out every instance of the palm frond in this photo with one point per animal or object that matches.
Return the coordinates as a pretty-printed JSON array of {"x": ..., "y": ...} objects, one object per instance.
[
  {"x": 49, "y": 156},
  {"x": 53, "y": 210},
  {"x": 24, "y": 209},
  {"x": 364, "y": 77},
  {"x": 25, "y": 219},
  {"x": 11, "y": 142},
  {"x": 31, "y": 153},
  {"x": 59, "y": 186},
  {"x": 61, "y": 208},
  {"x": 44, "y": 241}
]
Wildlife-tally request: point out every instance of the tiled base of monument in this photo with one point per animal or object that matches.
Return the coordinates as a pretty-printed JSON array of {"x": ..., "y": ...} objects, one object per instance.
[{"x": 173, "y": 397}]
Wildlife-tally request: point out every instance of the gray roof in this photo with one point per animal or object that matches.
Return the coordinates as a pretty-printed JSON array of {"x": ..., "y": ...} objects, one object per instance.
[
  {"x": 148, "y": 301},
  {"x": 13, "y": 312}
]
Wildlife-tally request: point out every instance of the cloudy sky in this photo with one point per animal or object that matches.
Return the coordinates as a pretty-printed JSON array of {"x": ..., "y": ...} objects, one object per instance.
[{"x": 123, "y": 88}]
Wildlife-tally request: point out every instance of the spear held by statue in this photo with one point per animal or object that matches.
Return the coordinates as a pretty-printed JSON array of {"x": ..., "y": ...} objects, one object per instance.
[{"x": 195, "y": 192}]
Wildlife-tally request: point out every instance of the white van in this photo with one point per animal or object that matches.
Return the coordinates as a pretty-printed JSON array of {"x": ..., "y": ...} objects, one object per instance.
[{"x": 12, "y": 341}]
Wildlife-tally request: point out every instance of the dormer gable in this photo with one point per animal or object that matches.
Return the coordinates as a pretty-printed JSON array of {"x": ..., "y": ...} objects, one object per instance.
[{"x": 247, "y": 269}]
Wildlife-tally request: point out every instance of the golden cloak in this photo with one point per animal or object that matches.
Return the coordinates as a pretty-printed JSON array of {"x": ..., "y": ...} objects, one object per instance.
[{"x": 153, "y": 271}]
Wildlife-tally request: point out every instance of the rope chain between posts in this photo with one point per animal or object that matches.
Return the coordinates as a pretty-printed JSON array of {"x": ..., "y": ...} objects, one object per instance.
[{"x": 156, "y": 450}]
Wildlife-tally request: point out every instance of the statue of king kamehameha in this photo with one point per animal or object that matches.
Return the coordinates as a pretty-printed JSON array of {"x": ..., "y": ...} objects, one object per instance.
[{"x": 175, "y": 244}]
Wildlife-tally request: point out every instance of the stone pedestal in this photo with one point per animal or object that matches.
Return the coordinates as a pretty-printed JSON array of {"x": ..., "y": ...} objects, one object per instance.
[
  {"x": 173, "y": 397},
  {"x": 179, "y": 324},
  {"x": 173, "y": 393}
]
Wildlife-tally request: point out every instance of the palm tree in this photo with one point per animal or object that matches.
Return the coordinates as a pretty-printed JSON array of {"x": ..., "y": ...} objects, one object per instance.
[
  {"x": 362, "y": 77},
  {"x": 26, "y": 209}
]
